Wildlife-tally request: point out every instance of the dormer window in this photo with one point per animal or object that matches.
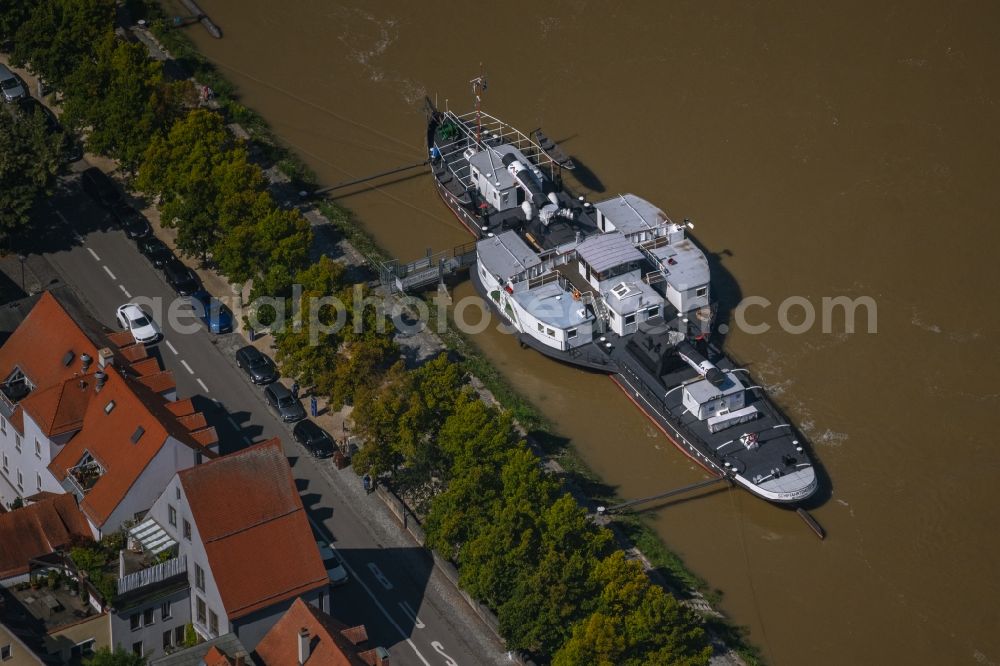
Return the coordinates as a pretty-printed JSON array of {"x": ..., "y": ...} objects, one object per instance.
[
  {"x": 137, "y": 435},
  {"x": 108, "y": 407}
]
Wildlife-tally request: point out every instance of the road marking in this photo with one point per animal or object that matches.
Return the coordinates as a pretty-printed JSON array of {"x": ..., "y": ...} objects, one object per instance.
[
  {"x": 108, "y": 271},
  {"x": 379, "y": 576},
  {"x": 93, "y": 254},
  {"x": 440, "y": 650},
  {"x": 171, "y": 347},
  {"x": 378, "y": 604},
  {"x": 187, "y": 367},
  {"x": 408, "y": 609},
  {"x": 125, "y": 291},
  {"x": 203, "y": 387}
]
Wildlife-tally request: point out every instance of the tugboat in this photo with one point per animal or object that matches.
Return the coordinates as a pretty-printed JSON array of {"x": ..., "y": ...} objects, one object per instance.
[{"x": 613, "y": 286}]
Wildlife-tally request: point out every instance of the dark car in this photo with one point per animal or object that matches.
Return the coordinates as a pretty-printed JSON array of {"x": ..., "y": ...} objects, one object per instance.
[
  {"x": 100, "y": 186},
  {"x": 316, "y": 440},
  {"x": 284, "y": 404},
  {"x": 181, "y": 278},
  {"x": 217, "y": 317},
  {"x": 132, "y": 222},
  {"x": 72, "y": 149},
  {"x": 156, "y": 251},
  {"x": 258, "y": 366}
]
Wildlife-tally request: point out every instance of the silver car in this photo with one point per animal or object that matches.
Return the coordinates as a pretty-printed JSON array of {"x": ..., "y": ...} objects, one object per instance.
[
  {"x": 10, "y": 85},
  {"x": 334, "y": 565}
]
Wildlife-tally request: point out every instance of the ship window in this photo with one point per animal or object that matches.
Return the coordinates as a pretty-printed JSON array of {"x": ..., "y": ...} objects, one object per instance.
[
  {"x": 541, "y": 329},
  {"x": 630, "y": 319},
  {"x": 570, "y": 333},
  {"x": 549, "y": 331},
  {"x": 701, "y": 291},
  {"x": 652, "y": 312}
]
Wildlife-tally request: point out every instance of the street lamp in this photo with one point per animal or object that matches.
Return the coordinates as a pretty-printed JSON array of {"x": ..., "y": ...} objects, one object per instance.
[{"x": 23, "y": 259}]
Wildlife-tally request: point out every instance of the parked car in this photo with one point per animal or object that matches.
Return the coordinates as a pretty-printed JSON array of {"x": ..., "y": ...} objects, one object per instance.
[
  {"x": 156, "y": 251},
  {"x": 133, "y": 223},
  {"x": 11, "y": 85},
  {"x": 284, "y": 404},
  {"x": 144, "y": 329},
  {"x": 28, "y": 107},
  {"x": 99, "y": 185},
  {"x": 181, "y": 278},
  {"x": 335, "y": 568},
  {"x": 316, "y": 440},
  {"x": 258, "y": 366},
  {"x": 217, "y": 316}
]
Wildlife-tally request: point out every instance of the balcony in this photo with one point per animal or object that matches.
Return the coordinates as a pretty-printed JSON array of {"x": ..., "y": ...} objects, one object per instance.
[
  {"x": 80, "y": 479},
  {"x": 155, "y": 574}
]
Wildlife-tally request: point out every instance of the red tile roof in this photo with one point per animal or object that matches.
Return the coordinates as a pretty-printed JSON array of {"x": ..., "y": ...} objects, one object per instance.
[
  {"x": 216, "y": 657},
  {"x": 107, "y": 436},
  {"x": 39, "y": 345},
  {"x": 330, "y": 640},
  {"x": 37, "y": 530},
  {"x": 59, "y": 409},
  {"x": 256, "y": 534}
]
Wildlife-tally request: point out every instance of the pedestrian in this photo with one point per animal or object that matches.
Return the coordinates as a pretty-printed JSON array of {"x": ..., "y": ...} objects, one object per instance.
[
  {"x": 313, "y": 406},
  {"x": 295, "y": 390}
]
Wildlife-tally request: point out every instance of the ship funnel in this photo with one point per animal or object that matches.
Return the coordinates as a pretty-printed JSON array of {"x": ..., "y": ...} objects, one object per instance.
[{"x": 523, "y": 177}]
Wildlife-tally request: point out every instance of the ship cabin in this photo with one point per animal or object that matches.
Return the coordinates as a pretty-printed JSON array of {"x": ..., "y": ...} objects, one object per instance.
[
  {"x": 720, "y": 404},
  {"x": 535, "y": 300},
  {"x": 611, "y": 264},
  {"x": 494, "y": 182}
]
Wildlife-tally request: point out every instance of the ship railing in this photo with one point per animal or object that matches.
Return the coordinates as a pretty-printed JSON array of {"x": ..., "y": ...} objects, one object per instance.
[{"x": 505, "y": 133}]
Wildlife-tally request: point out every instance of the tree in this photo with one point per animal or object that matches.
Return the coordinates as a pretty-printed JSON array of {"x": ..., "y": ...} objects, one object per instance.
[
  {"x": 105, "y": 657},
  {"x": 634, "y": 622},
  {"x": 29, "y": 163},
  {"x": 122, "y": 97},
  {"x": 58, "y": 35},
  {"x": 12, "y": 14}
]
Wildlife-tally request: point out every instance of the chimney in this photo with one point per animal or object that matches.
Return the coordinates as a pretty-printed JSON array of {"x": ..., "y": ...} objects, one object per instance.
[
  {"x": 105, "y": 357},
  {"x": 303, "y": 645},
  {"x": 101, "y": 378},
  {"x": 86, "y": 361}
]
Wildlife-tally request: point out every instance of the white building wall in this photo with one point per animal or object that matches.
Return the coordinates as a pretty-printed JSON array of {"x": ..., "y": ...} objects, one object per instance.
[
  {"x": 31, "y": 461},
  {"x": 171, "y": 458}
]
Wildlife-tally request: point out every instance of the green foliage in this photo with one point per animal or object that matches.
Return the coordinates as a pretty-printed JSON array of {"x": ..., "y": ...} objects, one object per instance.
[
  {"x": 634, "y": 623},
  {"x": 12, "y": 14},
  {"x": 88, "y": 558},
  {"x": 122, "y": 97},
  {"x": 29, "y": 163},
  {"x": 119, "y": 657},
  {"x": 190, "y": 636},
  {"x": 58, "y": 35}
]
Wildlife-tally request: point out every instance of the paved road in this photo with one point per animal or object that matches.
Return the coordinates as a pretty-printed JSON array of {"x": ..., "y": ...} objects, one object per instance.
[{"x": 405, "y": 603}]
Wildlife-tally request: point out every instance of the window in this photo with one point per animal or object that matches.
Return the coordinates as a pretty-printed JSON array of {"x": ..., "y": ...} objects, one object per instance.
[
  {"x": 17, "y": 443},
  {"x": 570, "y": 333},
  {"x": 199, "y": 578},
  {"x": 5, "y": 462},
  {"x": 200, "y": 613},
  {"x": 137, "y": 648},
  {"x": 135, "y": 621},
  {"x": 652, "y": 312},
  {"x": 630, "y": 319},
  {"x": 20, "y": 480},
  {"x": 3, "y": 425},
  {"x": 168, "y": 640},
  {"x": 701, "y": 291},
  {"x": 165, "y": 610},
  {"x": 6, "y": 652},
  {"x": 179, "y": 635},
  {"x": 187, "y": 530},
  {"x": 108, "y": 407},
  {"x": 171, "y": 515},
  {"x": 550, "y": 332},
  {"x": 38, "y": 449},
  {"x": 80, "y": 650},
  {"x": 38, "y": 481},
  {"x": 541, "y": 328},
  {"x": 147, "y": 617},
  {"x": 178, "y": 491},
  {"x": 213, "y": 623}
]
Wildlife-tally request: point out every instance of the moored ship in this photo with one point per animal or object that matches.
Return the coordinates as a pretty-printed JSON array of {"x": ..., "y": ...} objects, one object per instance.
[{"x": 613, "y": 286}]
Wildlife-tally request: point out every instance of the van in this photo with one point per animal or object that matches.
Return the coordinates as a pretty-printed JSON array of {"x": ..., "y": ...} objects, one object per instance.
[{"x": 10, "y": 85}]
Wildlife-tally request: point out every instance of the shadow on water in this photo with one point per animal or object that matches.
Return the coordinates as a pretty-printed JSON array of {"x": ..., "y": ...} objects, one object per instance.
[{"x": 585, "y": 177}]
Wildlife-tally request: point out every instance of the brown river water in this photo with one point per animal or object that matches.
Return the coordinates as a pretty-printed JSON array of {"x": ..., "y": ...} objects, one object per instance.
[{"x": 823, "y": 149}]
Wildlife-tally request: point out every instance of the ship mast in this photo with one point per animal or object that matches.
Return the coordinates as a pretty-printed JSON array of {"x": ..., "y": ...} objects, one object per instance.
[{"x": 478, "y": 88}]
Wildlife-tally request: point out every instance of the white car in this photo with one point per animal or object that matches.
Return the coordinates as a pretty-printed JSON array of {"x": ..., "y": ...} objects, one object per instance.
[
  {"x": 334, "y": 566},
  {"x": 142, "y": 326}
]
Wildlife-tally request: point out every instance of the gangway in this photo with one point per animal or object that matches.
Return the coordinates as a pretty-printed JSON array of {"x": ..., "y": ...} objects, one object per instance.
[{"x": 430, "y": 269}]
